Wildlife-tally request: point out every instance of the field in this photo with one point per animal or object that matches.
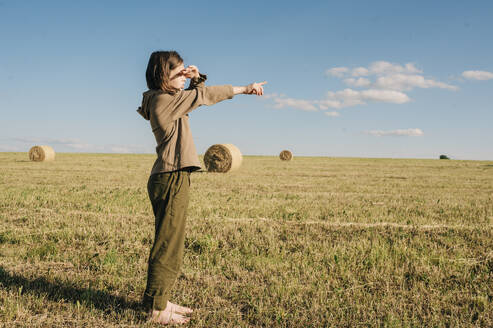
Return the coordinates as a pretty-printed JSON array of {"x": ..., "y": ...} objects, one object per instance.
[{"x": 315, "y": 242}]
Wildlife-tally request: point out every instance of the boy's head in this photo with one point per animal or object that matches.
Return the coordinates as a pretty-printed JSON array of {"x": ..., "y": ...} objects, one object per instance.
[{"x": 165, "y": 72}]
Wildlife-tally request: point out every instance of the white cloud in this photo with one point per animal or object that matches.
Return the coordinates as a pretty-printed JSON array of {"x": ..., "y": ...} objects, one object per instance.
[
  {"x": 269, "y": 96},
  {"x": 294, "y": 103},
  {"x": 389, "y": 76},
  {"x": 389, "y": 96},
  {"x": 376, "y": 68},
  {"x": 410, "y": 68},
  {"x": 332, "y": 114},
  {"x": 403, "y": 82},
  {"x": 360, "y": 71},
  {"x": 328, "y": 103},
  {"x": 381, "y": 81},
  {"x": 68, "y": 144},
  {"x": 26, "y": 140},
  {"x": 478, "y": 75},
  {"x": 360, "y": 82},
  {"x": 399, "y": 133},
  {"x": 10, "y": 148},
  {"x": 337, "y": 71},
  {"x": 384, "y": 68},
  {"x": 349, "y": 97},
  {"x": 342, "y": 98}
]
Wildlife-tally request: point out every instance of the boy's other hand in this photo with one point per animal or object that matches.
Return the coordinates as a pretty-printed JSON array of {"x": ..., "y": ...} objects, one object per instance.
[{"x": 191, "y": 72}]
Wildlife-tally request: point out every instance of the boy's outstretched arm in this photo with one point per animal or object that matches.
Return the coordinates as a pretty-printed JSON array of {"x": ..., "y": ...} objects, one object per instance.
[{"x": 251, "y": 89}]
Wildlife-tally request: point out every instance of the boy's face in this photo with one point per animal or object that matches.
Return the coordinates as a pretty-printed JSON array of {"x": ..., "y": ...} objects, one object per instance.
[{"x": 176, "y": 77}]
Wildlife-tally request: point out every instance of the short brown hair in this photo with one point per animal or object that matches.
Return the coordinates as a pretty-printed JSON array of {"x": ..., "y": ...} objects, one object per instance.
[{"x": 161, "y": 63}]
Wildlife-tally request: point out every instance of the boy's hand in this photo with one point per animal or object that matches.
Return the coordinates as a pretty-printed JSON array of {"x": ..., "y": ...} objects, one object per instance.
[
  {"x": 191, "y": 72},
  {"x": 255, "y": 88}
]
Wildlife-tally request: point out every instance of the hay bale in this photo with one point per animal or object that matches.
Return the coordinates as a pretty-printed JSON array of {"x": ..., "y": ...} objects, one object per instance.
[
  {"x": 222, "y": 158},
  {"x": 285, "y": 155},
  {"x": 41, "y": 154}
]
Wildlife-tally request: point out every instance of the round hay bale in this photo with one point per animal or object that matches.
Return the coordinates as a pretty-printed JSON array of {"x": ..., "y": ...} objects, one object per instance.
[
  {"x": 285, "y": 155},
  {"x": 41, "y": 154},
  {"x": 222, "y": 158}
]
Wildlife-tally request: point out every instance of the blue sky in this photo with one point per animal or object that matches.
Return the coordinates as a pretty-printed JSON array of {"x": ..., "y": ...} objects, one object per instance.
[{"x": 400, "y": 79}]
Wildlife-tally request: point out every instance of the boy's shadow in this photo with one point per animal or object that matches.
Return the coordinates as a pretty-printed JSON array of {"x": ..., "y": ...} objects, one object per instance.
[{"x": 60, "y": 291}]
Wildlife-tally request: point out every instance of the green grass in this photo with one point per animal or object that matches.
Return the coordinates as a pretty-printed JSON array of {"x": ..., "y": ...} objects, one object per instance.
[{"x": 314, "y": 242}]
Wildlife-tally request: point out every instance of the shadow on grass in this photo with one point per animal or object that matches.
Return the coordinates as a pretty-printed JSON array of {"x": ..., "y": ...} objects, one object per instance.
[{"x": 62, "y": 291}]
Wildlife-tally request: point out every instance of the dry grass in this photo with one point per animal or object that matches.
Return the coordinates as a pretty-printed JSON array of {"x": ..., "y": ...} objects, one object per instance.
[{"x": 312, "y": 242}]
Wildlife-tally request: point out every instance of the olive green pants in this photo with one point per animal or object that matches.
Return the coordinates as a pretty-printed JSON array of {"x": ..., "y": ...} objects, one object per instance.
[{"x": 169, "y": 194}]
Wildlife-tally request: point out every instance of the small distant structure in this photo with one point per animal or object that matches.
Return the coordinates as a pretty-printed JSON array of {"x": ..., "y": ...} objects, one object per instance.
[{"x": 444, "y": 157}]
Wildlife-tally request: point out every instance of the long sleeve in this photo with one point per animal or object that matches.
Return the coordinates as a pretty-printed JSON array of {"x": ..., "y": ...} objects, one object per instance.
[
  {"x": 169, "y": 122},
  {"x": 198, "y": 82},
  {"x": 168, "y": 108}
]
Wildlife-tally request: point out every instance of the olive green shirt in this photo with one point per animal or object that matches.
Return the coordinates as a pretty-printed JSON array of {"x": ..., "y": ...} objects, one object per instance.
[{"x": 168, "y": 115}]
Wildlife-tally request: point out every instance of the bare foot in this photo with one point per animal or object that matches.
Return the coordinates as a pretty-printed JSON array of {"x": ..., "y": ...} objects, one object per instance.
[
  {"x": 166, "y": 317},
  {"x": 178, "y": 309}
]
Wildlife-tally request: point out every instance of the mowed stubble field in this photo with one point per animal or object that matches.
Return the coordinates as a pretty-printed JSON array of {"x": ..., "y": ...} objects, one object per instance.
[{"x": 315, "y": 242}]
